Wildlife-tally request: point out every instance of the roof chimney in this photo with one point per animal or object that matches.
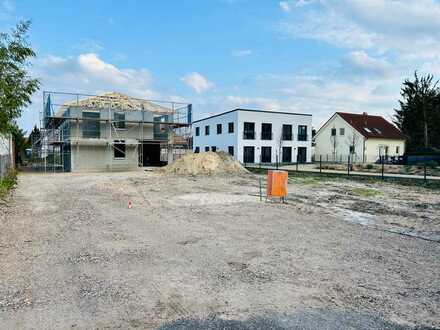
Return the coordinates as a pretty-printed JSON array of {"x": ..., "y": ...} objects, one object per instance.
[{"x": 365, "y": 114}]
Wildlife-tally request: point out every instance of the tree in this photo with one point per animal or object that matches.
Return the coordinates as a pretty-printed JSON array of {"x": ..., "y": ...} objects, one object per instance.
[
  {"x": 352, "y": 142},
  {"x": 20, "y": 144},
  {"x": 16, "y": 85},
  {"x": 419, "y": 114}
]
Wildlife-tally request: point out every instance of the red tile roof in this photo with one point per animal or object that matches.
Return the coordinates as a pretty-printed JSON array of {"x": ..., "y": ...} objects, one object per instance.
[{"x": 372, "y": 126}]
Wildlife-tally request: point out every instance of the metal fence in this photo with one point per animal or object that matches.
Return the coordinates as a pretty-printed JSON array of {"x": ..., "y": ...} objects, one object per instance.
[{"x": 5, "y": 165}]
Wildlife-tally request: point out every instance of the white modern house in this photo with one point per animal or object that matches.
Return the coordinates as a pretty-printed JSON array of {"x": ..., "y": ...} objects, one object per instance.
[
  {"x": 254, "y": 136},
  {"x": 363, "y": 137}
]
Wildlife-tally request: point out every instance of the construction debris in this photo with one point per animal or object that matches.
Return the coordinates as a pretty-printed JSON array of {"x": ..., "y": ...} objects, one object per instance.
[{"x": 206, "y": 163}]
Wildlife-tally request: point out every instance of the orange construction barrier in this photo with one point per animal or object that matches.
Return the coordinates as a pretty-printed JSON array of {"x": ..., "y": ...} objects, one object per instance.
[{"x": 277, "y": 183}]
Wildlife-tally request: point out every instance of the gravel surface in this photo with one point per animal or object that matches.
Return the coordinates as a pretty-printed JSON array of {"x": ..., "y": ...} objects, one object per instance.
[{"x": 206, "y": 253}]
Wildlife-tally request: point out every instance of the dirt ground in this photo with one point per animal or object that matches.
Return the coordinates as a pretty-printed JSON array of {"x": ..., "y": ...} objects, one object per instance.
[{"x": 196, "y": 250}]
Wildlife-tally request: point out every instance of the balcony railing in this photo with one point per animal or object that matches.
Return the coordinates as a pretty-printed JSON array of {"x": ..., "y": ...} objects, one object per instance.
[
  {"x": 287, "y": 137},
  {"x": 266, "y": 135},
  {"x": 249, "y": 135},
  {"x": 302, "y": 137}
]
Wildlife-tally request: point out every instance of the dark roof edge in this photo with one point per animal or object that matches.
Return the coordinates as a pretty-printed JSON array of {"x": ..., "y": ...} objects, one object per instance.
[{"x": 252, "y": 110}]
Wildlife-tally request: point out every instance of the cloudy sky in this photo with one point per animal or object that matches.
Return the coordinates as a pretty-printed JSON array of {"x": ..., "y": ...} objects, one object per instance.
[{"x": 311, "y": 56}]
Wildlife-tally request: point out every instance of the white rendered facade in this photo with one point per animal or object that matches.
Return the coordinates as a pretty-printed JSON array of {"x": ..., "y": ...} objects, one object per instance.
[{"x": 267, "y": 141}]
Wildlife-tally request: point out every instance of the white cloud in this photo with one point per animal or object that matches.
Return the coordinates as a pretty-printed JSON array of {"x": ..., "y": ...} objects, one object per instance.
[
  {"x": 197, "y": 82},
  {"x": 410, "y": 27},
  {"x": 285, "y": 6},
  {"x": 89, "y": 73},
  {"x": 86, "y": 73},
  {"x": 241, "y": 52},
  {"x": 256, "y": 102},
  {"x": 359, "y": 62}
]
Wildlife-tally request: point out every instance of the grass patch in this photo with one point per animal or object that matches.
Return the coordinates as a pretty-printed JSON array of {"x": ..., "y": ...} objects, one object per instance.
[
  {"x": 7, "y": 183},
  {"x": 414, "y": 182},
  {"x": 366, "y": 192},
  {"x": 306, "y": 180}
]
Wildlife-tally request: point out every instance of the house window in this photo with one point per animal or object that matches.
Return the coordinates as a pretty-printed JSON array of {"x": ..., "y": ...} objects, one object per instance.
[
  {"x": 119, "y": 149},
  {"x": 230, "y": 127},
  {"x": 352, "y": 149},
  {"x": 213, "y": 149},
  {"x": 266, "y": 131},
  {"x": 249, "y": 131},
  {"x": 90, "y": 126},
  {"x": 248, "y": 154},
  {"x": 219, "y": 128},
  {"x": 287, "y": 133},
  {"x": 302, "y": 133},
  {"x": 333, "y": 131},
  {"x": 119, "y": 120},
  {"x": 342, "y": 131},
  {"x": 206, "y": 149},
  {"x": 266, "y": 154},
  {"x": 207, "y": 130},
  {"x": 287, "y": 154},
  {"x": 397, "y": 150},
  {"x": 231, "y": 150},
  {"x": 197, "y": 131},
  {"x": 197, "y": 150}
]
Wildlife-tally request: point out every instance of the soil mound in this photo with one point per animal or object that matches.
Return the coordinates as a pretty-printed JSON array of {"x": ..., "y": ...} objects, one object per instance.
[{"x": 205, "y": 163}]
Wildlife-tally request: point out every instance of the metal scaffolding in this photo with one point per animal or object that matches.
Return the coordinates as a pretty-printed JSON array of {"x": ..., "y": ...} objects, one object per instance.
[{"x": 123, "y": 125}]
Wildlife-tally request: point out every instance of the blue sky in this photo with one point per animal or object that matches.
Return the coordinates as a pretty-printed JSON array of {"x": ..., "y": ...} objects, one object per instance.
[{"x": 311, "y": 56}]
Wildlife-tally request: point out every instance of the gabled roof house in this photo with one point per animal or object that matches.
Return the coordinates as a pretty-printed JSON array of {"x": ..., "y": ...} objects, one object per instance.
[{"x": 362, "y": 136}]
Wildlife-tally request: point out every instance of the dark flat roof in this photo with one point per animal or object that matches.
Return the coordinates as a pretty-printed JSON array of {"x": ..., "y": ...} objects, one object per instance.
[{"x": 252, "y": 110}]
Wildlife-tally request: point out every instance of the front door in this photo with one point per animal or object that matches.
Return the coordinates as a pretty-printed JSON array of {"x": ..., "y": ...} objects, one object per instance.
[{"x": 302, "y": 155}]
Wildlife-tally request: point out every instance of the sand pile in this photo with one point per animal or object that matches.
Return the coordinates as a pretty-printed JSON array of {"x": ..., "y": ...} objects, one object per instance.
[{"x": 205, "y": 163}]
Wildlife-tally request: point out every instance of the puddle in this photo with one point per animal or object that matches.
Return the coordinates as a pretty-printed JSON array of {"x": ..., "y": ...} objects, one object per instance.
[{"x": 357, "y": 217}]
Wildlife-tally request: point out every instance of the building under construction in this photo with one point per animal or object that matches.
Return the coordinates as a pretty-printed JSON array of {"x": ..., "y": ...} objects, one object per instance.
[{"x": 110, "y": 132}]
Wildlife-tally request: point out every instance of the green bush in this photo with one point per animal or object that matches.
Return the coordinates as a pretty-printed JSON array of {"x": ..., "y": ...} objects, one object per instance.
[
  {"x": 369, "y": 166},
  {"x": 7, "y": 183}
]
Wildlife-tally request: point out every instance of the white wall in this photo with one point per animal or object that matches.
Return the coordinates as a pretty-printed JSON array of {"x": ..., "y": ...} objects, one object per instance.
[
  {"x": 277, "y": 120},
  {"x": 373, "y": 146},
  {"x": 324, "y": 141},
  {"x": 222, "y": 141}
]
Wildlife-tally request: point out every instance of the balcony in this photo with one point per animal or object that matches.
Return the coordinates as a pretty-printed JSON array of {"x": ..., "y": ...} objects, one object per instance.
[
  {"x": 266, "y": 135},
  {"x": 248, "y": 135},
  {"x": 302, "y": 137}
]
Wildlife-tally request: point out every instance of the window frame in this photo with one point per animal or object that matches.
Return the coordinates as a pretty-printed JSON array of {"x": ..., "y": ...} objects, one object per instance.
[
  {"x": 284, "y": 136},
  {"x": 265, "y": 133},
  {"x": 229, "y": 150},
  {"x": 198, "y": 131},
  {"x": 219, "y": 131},
  {"x": 342, "y": 131},
  {"x": 116, "y": 149},
  {"x": 251, "y": 133},
  {"x": 118, "y": 122},
  {"x": 207, "y": 129},
  {"x": 231, "y": 127},
  {"x": 302, "y": 137}
]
